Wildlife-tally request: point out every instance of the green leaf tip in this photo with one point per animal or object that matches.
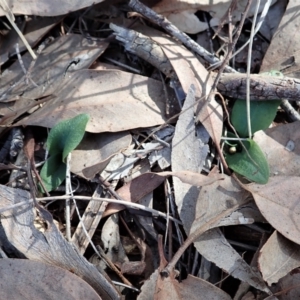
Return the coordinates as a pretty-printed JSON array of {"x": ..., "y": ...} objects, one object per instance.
[
  {"x": 63, "y": 138},
  {"x": 53, "y": 172},
  {"x": 66, "y": 135},
  {"x": 254, "y": 168}
]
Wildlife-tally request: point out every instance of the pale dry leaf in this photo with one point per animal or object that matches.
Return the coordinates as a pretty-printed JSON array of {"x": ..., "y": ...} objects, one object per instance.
[
  {"x": 188, "y": 153},
  {"x": 46, "y": 8},
  {"x": 119, "y": 166},
  {"x": 193, "y": 178},
  {"x": 162, "y": 157},
  {"x": 112, "y": 245},
  {"x": 28, "y": 279},
  {"x": 95, "y": 151},
  {"x": 279, "y": 203},
  {"x": 141, "y": 167},
  {"x": 34, "y": 31},
  {"x": 65, "y": 54},
  {"x": 227, "y": 258},
  {"x": 278, "y": 257},
  {"x": 182, "y": 12},
  {"x": 114, "y": 100},
  {"x": 272, "y": 19},
  {"x": 274, "y": 142},
  {"x": 223, "y": 203},
  {"x": 217, "y": 201},
  {"x": 50, "y": 246},
  {"x": 185, "y": 145},
  {"x": 283, "y": 53}
]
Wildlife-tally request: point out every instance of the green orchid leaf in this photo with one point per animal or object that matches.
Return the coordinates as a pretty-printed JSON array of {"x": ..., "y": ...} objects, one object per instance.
[
  {"x": 53, "y": 172},
  {"x": 262, "y": 113},
  {"x": 66, "y": 135},
  {"x": 255, "y": 168}
]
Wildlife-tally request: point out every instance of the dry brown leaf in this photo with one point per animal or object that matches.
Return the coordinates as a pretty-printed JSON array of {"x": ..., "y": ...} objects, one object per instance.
[
  {"x": 279, "y": 203},
  {"x": 219, "y": 204},
  {"x": 182, "y": 12},
  {"x": 192, "y": 288},
  {"x": 144, "y": 184},
  {"x": 28, "y": 279},
  {"x": 114, "y": 100},
  {"x": 135, "y": 190},
  {"x": 95, "y": 150},
  {"x": 211, "y": 206},
  {"x": 46, "y": 8},
  {"x": 167, "y": 287},
  {"x": 283, "y": 54},
  {"x": 278, "y": 257},
  {"x": 275, "y": 142},
  {"x": 288, "y": 288},
  {"x": 216, "y": 202}
]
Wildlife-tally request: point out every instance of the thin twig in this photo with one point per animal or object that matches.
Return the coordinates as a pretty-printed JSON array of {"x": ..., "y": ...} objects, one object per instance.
[
  {"x": 9, "y": 15},
  {"x": 154, "y": 212},
  {"x": 249, "y": 69},
  {"x": 175, "y": 32},
  {"x": 70, "y": 194}
]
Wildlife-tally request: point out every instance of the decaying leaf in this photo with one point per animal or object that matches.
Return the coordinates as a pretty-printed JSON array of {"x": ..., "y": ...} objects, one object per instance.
[
  {"x": 37, "y": 280},
  {"x": 278, "y": 257},
  {"x": 142, "y": 185},
  {"x": 190, "y": 71}
]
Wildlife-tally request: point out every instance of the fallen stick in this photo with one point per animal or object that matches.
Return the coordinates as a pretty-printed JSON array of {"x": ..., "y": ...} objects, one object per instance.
[{"x": 261, "y": 87}]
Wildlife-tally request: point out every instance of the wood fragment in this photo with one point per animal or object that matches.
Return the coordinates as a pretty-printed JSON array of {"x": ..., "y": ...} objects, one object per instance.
[
  {"x": 261, "y": 87},
  {"x": 90, "y": 220},
  {"x": 143, "y": 47}
]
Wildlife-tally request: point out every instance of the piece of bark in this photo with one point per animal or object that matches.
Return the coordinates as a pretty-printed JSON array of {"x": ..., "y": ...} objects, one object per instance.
[
  {"x": 90, "y": 220},
  {"x": 261, "y": 87}
]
